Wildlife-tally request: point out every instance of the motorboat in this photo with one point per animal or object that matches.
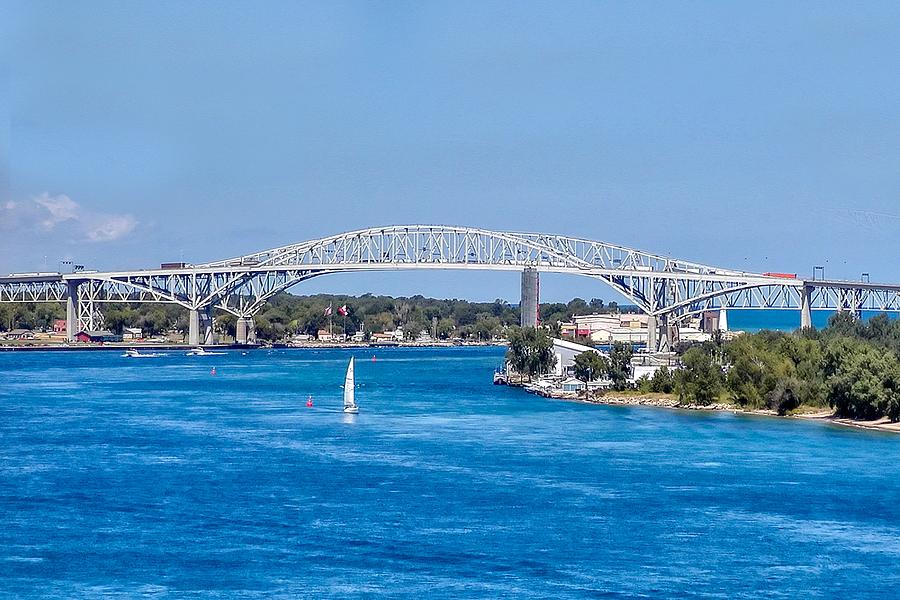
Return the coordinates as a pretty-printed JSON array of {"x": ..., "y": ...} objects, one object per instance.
[
  {"x": 201, "y": 351},
  {"x": 133, "y": 353}
]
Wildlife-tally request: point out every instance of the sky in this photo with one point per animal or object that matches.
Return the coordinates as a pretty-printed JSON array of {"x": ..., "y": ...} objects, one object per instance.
[{"x": 762, "y": 136}]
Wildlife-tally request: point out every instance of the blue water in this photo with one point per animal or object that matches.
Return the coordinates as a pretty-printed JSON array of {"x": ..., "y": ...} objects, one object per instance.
[
  {"x": 123, "y": 478},
  {"x": 753, "y": 320}
]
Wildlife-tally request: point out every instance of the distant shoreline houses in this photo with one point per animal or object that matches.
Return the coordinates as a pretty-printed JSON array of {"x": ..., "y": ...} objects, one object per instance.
[
  {"x": 631, "y": 328},
  {"x": 58, "y": 331}
]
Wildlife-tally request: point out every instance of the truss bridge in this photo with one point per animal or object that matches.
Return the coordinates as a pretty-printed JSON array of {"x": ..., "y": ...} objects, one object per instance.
[{"x": 668, "y": 289}]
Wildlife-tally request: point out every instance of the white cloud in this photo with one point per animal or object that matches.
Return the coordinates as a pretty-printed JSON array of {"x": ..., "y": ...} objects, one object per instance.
[
  {"x": 46, "y": 213},
  {"x": 111, "y": 227},
  {"x": 58, "y": 209}
]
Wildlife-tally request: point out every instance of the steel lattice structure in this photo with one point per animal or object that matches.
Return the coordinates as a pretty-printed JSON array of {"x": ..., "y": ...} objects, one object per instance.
[{"x": 668, "y": 289}]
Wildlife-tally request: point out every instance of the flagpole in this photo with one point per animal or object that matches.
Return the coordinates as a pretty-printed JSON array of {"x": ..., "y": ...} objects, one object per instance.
[{"x": 328, "y": 311}]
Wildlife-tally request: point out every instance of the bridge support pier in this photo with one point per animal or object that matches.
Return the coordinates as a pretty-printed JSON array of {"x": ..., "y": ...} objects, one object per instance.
[
  {"x": 245, "y": 331},
  {"x": 71, "y": 310},
  {"x": 672, "y": 334},
  {"x": 662, "y": 333},
  {"x": 207, "y": 326},
  {"x": 194, "y": 327},
  {"x": 528, "y": 306},
  {"x": 805, "y": 307},
  {"x": 200, "y": 327}
]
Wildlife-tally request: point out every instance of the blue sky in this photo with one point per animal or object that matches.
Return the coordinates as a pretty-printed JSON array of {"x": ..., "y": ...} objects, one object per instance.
[{"x": 762, "y": 136}]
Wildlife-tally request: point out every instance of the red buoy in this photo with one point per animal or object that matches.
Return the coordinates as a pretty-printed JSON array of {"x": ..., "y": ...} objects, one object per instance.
[
  {"x": 373, "y": 358},
  {"x": 213, "y": 372},
  {"x": 309, "y": 402}
]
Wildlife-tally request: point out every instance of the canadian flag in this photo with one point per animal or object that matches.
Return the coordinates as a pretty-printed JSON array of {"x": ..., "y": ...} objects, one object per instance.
[
  {"x": 328, "y": 311},
  {"x": 343, "y": 310}
]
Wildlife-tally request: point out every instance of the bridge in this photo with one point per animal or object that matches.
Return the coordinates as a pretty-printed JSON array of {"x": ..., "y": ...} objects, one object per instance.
[{"x": 668, "y": 289}]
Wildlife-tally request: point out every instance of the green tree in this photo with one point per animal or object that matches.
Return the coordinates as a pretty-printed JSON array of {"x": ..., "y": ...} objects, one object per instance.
[
  {"x": 445, "y": 328},
  {"x": 596, "y": 304},
  {"x": 590, "y": 365},
  {"x": 620, "y": 365},
  {"x": 863, "y": 382},
  {"x": 486, "y": 327},
  {"x": 227, "y": 324},
  {"x": 699, "y": 381},
  {"x": 530, "y": 351},
  {"x": 756, "y": 369},
  {"x": 663, "y": 381}
]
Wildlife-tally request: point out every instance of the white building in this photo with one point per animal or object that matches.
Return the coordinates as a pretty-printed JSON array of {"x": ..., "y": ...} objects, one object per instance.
[
  {"x": 565, "y": 353},
  {"x": 572, "y": 385},
  {"x": 606, "y": 328},
  {"x": 648, "y": 364},
  {"x": 20, "y": 334}
]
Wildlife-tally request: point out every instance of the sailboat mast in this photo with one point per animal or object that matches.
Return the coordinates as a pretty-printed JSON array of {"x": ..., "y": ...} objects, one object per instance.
[{"x": 349, "y": 384}]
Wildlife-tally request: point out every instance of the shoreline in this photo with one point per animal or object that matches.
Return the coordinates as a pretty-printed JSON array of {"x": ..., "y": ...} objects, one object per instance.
[
  {"x": 178, "y": 346},
  {"x": 671, "y": 403}
]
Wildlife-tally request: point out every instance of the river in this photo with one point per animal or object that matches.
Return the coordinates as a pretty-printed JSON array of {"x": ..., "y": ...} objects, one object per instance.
[{"x": 153, "y": 477}]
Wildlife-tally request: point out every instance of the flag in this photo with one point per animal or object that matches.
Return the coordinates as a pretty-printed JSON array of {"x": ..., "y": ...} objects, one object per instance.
[
  {"x": 328, "y": 311},
  {"x": 343, "y": 310}
]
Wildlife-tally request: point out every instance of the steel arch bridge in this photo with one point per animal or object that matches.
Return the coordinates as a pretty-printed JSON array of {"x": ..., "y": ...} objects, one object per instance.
[{"x": 667, "y": 289}]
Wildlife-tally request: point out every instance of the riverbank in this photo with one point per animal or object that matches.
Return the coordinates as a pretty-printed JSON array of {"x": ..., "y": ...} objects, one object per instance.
[
  {"x": 882, "y": 424},
  {"x": 670, "y": 401},
  {"x": 118, "y": 346},
  {"x": 62, "y": 347}
]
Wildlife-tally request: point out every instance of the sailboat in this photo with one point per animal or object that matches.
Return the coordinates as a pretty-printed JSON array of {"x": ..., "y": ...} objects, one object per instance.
[{"x": 349, "y": 384}]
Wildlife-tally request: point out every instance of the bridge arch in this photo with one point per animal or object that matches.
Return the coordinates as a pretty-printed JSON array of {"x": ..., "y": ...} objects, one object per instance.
[
  {"x": 662, "y": 286},
  {"x": 643, "y": 278}
]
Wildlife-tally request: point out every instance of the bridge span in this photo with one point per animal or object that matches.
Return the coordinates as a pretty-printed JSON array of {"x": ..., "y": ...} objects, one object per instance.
[{"x": 667, "y": 289}]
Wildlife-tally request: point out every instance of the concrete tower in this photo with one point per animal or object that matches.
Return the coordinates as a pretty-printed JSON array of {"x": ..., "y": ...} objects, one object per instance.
[{"x": 530, "y": 298}]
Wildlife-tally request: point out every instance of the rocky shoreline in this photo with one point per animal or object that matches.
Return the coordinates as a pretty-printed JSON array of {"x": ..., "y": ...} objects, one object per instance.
[{"x": 670, "y": 402}]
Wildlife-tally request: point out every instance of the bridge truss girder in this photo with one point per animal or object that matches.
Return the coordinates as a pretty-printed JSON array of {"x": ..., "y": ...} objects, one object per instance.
[
  {"x": 668, "y": 289},
  {"x": 33, "y": 291}
]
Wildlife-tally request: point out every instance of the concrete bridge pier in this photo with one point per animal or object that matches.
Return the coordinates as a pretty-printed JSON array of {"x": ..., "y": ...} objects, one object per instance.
[
  {"x": 672, "y": 334},
  {"x": 805, "y": 307},
  {"x": 194, "y": 327},
  {"x": 71, "y": 310},
  {"x": 528, "y": 306},
  {"x": 207, "y": 327},
  {"x": 245, "y": 331},
  {"x": 662, "y": 333},
  {"x": 200, "y": 327}
]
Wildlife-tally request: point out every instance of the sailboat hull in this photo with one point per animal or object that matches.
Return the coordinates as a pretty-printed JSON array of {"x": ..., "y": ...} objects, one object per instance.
[{"x": 351, "y": 410}]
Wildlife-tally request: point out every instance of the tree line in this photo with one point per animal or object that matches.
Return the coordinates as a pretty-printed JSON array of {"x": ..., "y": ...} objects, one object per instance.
[
  {"x": 850, "y": 366},
  {"x": 286, "y": 314}
]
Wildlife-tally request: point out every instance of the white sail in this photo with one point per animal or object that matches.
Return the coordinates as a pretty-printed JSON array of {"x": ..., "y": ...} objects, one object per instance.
[{"x": 349, "y": 400}]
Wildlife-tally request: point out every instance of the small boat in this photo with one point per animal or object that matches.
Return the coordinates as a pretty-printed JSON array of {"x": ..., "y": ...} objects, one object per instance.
[
  {"x": 349, "y": 384},
  {"x": 200, "y": 351},
  {"x": 133, "y": 353}
]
